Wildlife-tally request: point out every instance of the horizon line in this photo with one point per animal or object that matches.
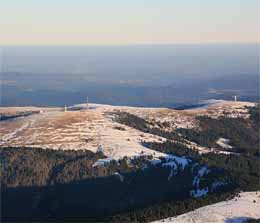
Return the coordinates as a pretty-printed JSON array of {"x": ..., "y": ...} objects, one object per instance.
[{"x": 129, "y": 44}]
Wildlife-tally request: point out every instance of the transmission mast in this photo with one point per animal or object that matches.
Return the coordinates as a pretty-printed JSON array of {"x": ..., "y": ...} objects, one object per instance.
[{"x": 87, "y": 102}]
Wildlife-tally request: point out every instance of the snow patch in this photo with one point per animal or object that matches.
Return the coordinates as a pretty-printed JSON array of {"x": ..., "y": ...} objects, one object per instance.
[
  {"x": 224, "y": 143},
  {"x": 182, "y": 161},
  {"x": 199, "y": 192},
  {"x": 172, "y": 173},
  {"x": 233, "y": 211},
  {"x": 121, "y": 177},
  {"x": 217, "y": 184},
  {"x": 102, "y": 162},
  {"x": 171, "y": 164},
  {"x": 155, "y": 161},
  {"x": 203, "y": 171}
]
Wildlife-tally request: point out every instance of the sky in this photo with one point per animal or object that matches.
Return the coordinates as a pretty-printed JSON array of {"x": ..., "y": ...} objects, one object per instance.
[{"x": 119, "y": 22}]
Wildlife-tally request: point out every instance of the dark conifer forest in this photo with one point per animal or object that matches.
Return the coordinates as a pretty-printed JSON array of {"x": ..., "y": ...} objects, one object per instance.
[{"x": 59, "y": 185}]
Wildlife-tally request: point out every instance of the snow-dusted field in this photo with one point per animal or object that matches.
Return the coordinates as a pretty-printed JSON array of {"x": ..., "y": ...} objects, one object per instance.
[
  {"x": 91, "y": 129},
  {"x": 236, "y": 210},
  {"x": 94, "y": 128},
  {"x": 216, "y": 108}
]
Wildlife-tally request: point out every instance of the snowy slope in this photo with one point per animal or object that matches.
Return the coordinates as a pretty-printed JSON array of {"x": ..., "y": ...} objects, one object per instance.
[
  {"x": 233, "y": 211},
  {"x": 95, "y": 129},
  {"x": 75, "y": 130}
]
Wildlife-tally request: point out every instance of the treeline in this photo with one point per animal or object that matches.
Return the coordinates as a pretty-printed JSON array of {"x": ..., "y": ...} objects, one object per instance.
[
  {"x": 242, "y": 173},
  {"x": 244, "y": 134},
  {"x": 252, "y": 221},
  {"x": 169, "y": 209},
  {"x": 4, "y": 117},
  {"x": 62, "y": 185},
  {"x": 38, "y": 167},
  {"x": 243, "y": 170},
  {"x": 143, "y": 125}
]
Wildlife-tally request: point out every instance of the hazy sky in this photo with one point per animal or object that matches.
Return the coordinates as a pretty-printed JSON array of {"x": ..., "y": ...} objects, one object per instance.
[{"x": 127, "y": 21}]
